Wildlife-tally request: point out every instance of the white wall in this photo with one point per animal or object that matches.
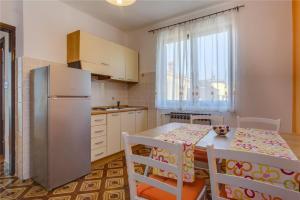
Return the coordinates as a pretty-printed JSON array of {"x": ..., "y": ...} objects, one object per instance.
[
  {"x": 11, "y": 12},
  {"x": 47, "y": 23},
  {"x": 106, "y": 93},
  {"x": 265, "y": 58}
]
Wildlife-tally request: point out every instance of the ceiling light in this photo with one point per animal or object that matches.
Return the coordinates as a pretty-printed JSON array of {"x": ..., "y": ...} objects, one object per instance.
[{"x": 121, "y": 2}]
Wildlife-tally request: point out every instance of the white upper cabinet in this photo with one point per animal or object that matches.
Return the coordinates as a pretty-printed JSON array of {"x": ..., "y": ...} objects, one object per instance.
[
  {"x": 132, "y": 65},
  {"x": 117, "y": 62},
  {"x": 94, "y": 49},
  {"x": 102, "y": 57}
]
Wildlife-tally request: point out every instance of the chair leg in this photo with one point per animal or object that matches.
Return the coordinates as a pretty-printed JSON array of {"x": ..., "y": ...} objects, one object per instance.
[
  {"x": 146, "y": 172},
  {"x": 202, "y": 195}
]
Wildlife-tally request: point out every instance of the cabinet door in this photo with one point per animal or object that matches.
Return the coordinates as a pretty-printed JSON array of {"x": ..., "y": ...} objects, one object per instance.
[
  {"x": 127, "y": 124},
  {"x": 95, "y": 50},
  {"x": 141, "y": 120},
  {"x": 132, "y": 65},
  {"x": 113, "y": 133},
  {"x": 88, "y": 48},
  {"x": 117, "y": 62}
]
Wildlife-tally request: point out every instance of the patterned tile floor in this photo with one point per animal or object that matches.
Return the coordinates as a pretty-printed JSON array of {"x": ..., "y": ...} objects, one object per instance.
[{"x": 107, "y": 181}]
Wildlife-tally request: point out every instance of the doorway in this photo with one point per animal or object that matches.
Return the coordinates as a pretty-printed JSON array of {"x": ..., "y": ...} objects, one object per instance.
[
  {"x": 2, "y": 149},
  {"x": 7, "y": 99}
]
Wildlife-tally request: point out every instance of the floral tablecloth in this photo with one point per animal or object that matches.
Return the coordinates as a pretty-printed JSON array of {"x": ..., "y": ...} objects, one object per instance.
[
  {"x": 265, "y": 142},
  {"x": 188, "y": 135}
]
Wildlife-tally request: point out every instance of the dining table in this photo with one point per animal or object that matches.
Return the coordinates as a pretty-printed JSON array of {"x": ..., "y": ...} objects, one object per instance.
[
  {"x": 219, "y": 142},
  {"x": 260, "y": 141}
]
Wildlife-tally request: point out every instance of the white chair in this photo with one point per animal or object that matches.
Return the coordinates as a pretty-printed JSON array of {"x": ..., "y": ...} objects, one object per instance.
[
  {"x": 273, "y": 122},
  {"x": 237, "y": 181},
  {"x": 156, "y": 185},
  {"x": 215, "y": 119},
  {"x": 200, "y": 155}
]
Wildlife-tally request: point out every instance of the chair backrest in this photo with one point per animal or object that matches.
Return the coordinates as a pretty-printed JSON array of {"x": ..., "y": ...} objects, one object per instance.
[
  {"x": 215, "y": 119},
  {"x": 273, "y": 122},
  {"x": 176, "y": 149},
  {"x": 237, "y": 181}
]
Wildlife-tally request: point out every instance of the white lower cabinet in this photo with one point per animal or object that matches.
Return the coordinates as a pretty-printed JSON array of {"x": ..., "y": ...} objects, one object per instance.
[
  {"x": 98, "y": 137},
  {"x": 127, "y": 124},
  {"x": 98, "y": 153},
  {"x": 141, "y": 120},
  {"x": 106, "y": 131},
  {"x": 113, "y": 133}
]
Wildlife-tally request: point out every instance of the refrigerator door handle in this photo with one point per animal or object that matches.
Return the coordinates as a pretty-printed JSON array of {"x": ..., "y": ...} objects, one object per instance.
[{"x": 69, "y": 97}]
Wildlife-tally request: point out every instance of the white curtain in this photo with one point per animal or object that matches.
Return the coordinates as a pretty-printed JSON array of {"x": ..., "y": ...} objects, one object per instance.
[{"x": 195, "y": 65}]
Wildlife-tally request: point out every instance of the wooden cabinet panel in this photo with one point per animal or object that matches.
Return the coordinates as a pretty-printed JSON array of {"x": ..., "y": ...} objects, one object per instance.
[
  {"x": 113, "y": 133},
  {"x": 73, "y": 47},
  {"x": 127, "y": 124},
  {"x": 141, "y": 120},
  {"x": 132, "y": 65}
]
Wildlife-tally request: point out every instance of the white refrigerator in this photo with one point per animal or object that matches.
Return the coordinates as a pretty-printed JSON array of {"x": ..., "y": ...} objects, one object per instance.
[{"x": 60, "y": 123}]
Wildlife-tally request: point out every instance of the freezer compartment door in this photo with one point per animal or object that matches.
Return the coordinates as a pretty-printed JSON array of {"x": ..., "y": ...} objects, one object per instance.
[
  {"x": 69, "y": 139},
  {"x": 65, "y": 81}
]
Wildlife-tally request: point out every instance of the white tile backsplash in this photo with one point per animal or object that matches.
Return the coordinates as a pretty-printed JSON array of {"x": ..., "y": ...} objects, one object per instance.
[{"x": 107, "y": 92}]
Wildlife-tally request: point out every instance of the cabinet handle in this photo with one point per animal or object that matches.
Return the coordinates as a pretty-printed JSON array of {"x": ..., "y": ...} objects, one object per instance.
[
  {"x": 115, "y": 114},
  {"x": 99, "y": 120},
  {"x": 139, "y": 111},
  {"x": 104, "y": 64},
  {"x": 100, "y": 131},
  {"x": 99, "y": 154},
  {"x": 130, "y": 113},
  {"x": 98, "y": 143}
]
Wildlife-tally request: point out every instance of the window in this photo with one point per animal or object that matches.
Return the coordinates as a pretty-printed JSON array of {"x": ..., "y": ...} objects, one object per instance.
[{"x": 195, "y": 66}]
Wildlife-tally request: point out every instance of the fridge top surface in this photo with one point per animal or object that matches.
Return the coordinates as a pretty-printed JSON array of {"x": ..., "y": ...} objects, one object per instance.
[{"x": 65, "y": 81}]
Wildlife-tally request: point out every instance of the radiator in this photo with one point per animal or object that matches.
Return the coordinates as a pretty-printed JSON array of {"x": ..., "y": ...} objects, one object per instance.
[{"x": 184, "y": 117}]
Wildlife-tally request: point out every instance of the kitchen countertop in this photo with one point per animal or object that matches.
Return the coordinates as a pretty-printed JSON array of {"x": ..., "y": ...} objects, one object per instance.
[{"x": 98, "y": 111}]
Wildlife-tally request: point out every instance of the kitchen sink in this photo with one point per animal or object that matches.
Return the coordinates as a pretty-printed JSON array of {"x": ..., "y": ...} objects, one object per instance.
[{"x": 114, "y": 108}]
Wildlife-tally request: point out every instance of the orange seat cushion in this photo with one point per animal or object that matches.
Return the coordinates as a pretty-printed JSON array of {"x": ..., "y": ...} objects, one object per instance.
[
  {"x": 200, "y": 155},
  {"x": 190, "y": 191}
]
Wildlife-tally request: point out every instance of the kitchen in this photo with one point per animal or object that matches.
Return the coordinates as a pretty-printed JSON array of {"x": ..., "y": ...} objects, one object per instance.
[
  {"x": 118, "y": 49},
  {"x": 54, "y": 89},
  {"x": 108, "y": 60}
]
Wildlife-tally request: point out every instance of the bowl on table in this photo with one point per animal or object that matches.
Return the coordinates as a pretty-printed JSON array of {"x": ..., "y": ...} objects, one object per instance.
[{"x": 221, "y": 130}]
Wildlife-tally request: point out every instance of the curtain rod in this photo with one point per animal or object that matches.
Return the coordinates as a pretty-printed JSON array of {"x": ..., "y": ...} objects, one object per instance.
[{"x": 183, "y": 22}]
